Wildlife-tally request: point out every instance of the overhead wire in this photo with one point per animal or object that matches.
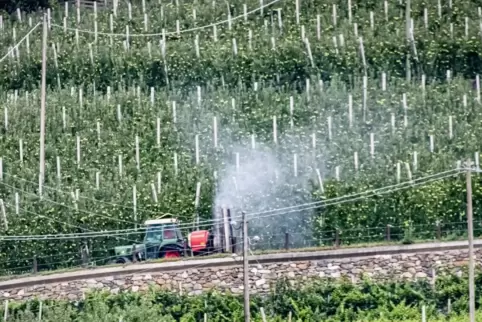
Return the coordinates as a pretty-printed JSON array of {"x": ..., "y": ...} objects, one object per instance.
[
  {"x": 373, "y": 193},
  {"x": 80, "y": 196},
  {"x": 89, "y": 234},
  {"x": 274, "y": 212},
  {"x": 210, "y": 221},
  {"x": 62, "y": 222},
  {"x": 181, "y": 225},
  {"x": 19, "y": 42},
  {"x": 251, "y": 214},
  {"x": 204, "y": 221},
  {"x": 327, "y": 202},
  {"x": 410, "y": 182}
]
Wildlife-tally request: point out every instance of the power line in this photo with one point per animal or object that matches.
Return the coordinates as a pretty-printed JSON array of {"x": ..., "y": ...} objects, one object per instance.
[
  {"x": 316, "y": 203},
  {"x": 373, "y": 193},
  {"x": 67, "y": 193},
  {"x": 64, "y": 223},
  {"x": 274, "y": 212},
  {"x": 73, "y": 235},
  {"x": 328, "y": 202},
  {"x": 64, "y": 205},
  {"x": 410, "y": 182}
]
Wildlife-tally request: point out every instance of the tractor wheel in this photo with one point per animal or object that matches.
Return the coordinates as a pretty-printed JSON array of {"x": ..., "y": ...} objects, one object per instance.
[
  {"x": 170, "y": 254},
  {"x": 122, "y": 260}
]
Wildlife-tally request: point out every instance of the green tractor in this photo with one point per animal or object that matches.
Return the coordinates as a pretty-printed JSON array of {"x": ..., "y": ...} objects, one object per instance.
[{"x": 163, "y": 239}]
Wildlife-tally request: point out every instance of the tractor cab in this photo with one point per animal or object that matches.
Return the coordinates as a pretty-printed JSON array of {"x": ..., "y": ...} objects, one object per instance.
[
  {"x": 162, "y": 231},
  {"x": 163, "y": 238}
]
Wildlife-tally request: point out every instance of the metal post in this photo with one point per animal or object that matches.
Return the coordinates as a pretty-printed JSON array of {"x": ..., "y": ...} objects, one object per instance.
[
  {"x": 337, "y": 238},
  {"x": 5, "y": 311},
  {"x": 134, "y": 254},
  {"x": 263, "y": 315},
  {"x": 232, "y": 233},
  {"x": 471, "y": 243},
  {"x": 40, "y": 311},
  {"x": 84, "y": 253},
  {"x": 227, "y": 235},
  {"x": 245, "y": 269},
  {"x": 218, "y": 231},
  {"x": 408, "y": 26},
  {"x": 43, "y": 96},
  {"x": 35, "y": 265}
]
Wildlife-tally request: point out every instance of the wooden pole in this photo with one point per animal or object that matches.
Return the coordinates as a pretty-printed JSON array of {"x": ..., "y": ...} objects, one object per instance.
[
  {"x": 471, "y": 243},
  {"x": 245, "y": 269},
  {"x": 43, "y": 95}
]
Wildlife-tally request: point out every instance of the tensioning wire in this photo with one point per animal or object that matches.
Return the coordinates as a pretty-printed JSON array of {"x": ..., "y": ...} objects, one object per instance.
[
  {"x": 168, "y": 33},
  {"x": 286, "y": 210},
  {"x": 20, "y": 41}
]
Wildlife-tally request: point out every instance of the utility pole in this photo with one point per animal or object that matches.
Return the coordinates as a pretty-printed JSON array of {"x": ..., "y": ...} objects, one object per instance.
[
  {"x": 470, "y": 227},
  {"x": 43, "y": 96},
  {"x": 246, "y": 269}
]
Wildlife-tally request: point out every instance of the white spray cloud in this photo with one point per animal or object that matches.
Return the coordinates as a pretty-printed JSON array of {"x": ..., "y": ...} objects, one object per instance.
[{"x": 265, "y": 180}]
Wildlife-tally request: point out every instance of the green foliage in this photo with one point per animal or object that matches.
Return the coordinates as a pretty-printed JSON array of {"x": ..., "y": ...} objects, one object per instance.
[
  {"x": 319, "y": 300},
  {"x": 111, "y": 206},
  {"x": 89, "y": 77},
  {"x": 438, "y": 50},
  {"x": 414, "y": 213}
]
